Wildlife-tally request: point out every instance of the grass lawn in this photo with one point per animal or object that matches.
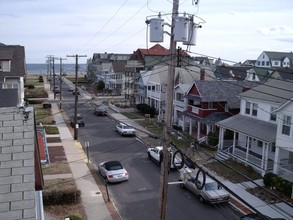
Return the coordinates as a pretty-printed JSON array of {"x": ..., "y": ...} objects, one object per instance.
[
  {"x": 56, "y": 168},
  {"x": 43, "y": 115},
  {"x": 232, "y": 175}
]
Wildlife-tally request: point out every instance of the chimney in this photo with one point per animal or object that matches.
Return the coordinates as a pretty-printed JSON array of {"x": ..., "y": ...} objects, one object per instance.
[{"x": 202, "y": 74}]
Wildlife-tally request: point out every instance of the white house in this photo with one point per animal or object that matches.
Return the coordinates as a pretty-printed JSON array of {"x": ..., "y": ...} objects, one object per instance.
[
  {"x": 255, "y": 130},
  {"x": 274, "y": 59}
]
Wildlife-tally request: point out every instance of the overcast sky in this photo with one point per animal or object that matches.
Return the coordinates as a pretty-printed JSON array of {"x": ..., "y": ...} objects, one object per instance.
[{"x": 234, "y": 30}]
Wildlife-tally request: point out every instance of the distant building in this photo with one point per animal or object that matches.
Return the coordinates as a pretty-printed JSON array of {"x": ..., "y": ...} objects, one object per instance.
[
  {"x": 275, "y": 59},
  {"x": 12, "y": 73}
]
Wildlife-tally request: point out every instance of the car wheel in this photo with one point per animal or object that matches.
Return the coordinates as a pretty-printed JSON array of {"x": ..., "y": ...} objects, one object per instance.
[
  {"x": 182, "y": 186},
  {"x": 201, "y": 199}
]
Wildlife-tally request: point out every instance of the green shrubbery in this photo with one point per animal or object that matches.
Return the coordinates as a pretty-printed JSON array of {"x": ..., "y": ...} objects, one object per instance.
[
  {"x": 213, "y": 138},
  {"x": 61, "y": 197},
  {"x": 146, "y": 109},
  {"x": 280, "y": 184}
]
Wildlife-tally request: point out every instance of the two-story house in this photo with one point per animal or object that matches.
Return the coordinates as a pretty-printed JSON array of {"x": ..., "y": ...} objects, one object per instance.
[
  {"x": 255, "y": 127},
  {"x": 209, "y": 102},
  {"x": 275, "y": 59},
  {"x": 12, "y": 73}
]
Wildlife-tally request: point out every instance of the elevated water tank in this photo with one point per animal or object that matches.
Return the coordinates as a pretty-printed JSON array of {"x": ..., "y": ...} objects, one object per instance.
[
  {"x": 156, "y": 30},
  {"x": 181, "y": 29}
]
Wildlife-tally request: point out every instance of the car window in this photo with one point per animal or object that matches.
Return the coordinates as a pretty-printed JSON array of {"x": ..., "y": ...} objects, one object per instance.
[
  {"x": 211, "y": 186},
  {"x": 117, "y": 167},
  {"x": 127, "y": 127}
]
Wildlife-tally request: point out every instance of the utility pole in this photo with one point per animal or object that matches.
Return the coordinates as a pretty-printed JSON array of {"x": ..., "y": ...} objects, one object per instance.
[
  {"x": 168, "y": 119},
  {"x": 76, "y": 94},
  {"x": 50, "y": 69},
  {"x": 61, "y": 72},
  {"x": 53, "y": 59}
]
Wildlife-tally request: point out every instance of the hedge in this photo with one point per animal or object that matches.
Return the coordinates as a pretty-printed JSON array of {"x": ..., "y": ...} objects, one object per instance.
[{"x": 282, "y": 185}]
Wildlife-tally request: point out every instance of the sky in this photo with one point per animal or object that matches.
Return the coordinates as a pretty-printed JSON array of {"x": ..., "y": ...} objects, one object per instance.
[{"x": 232, "y": 30}]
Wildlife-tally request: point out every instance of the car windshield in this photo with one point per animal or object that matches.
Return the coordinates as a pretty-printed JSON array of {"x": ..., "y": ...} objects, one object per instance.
[
  {"x": 211, "y": 186},
  {"x": 127, "y": 127},
  {"x": 113, "y": 165}
]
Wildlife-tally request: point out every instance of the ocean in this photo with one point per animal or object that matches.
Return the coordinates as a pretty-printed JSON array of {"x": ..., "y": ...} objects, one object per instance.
[{"x": 39, "y": 68}]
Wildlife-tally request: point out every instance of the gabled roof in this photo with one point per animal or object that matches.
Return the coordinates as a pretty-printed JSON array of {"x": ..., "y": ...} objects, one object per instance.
[
  {"x": 279, "y": 55},
  {"x": 221, "y": 91},
  {"x": 16, "y": 55},
  {"x": 278, "y": 91},
  {"x": 285, "y": 73}
]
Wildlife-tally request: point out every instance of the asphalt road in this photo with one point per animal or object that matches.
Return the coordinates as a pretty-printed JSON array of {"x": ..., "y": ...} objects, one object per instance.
[{"x": 138, "y": 198}]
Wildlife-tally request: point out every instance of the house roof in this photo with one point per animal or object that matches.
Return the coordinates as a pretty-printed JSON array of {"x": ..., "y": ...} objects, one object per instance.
[
  {"x": 210, "y": 119},
  {"x": 8, "y": 97},
  {"x": 221, "y": 91},
  {"x": 279, "y": 55},
  {"x": 252, "y": 127},
  {"x": 285, "y": 73},
  {"x": 274, "y": 90},
  {"x": 16, "y": 55},
  {"x": 119, "y": 67}
]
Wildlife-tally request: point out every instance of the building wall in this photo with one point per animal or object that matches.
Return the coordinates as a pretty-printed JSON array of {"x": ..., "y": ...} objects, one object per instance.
[
  {"x": 285, "y": 141},
  {"x": 17, "y": 180}
]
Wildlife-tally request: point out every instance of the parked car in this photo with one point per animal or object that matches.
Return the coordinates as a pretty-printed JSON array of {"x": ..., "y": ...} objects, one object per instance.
[
  {"x": 100, "y": 110},
  {"x": 57, "y": 89},
  {"x": 113, "y": 171},
  {"x": 79, "y": 120},
  {"x": 73, "y": 92},
  {"x": 210, "y": 191},
  {"x": 70, "y": 89},
  {"x": 125, "y": 129}
]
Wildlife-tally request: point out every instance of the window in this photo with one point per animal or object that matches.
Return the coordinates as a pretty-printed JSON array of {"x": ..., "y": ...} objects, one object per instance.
[
  {"x": 254, "y": 109},
  {"x": 286, "y": 125},
  {"x": 5, "y": 66},
  {"x": 210, "y": 105},
  {"x": 262, "y": 63},
  {"x": 258, "y": 63},
  {"x": 273, "y": 115},
  {"x": 259, "y": 143},
  {"x": 268, "y": 63},
  {"x": 179, "y": 97},
  {"x": 247, "y": 108}
]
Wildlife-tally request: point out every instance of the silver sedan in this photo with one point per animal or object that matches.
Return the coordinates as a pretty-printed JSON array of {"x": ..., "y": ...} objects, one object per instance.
[{"x": 113, "y": 171}]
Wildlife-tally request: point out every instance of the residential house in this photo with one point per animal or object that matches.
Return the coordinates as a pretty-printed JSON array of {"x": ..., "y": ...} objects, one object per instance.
[
  {"x": 275, "y": 59},
  {"x": 21, "y": 179},
  {"x": 242, "y": 73},
  {"x": 282, "y": 74},
  {"x": 12, "y": 73},
  {"x": 209, "y": 102},
  {"x": 115, "y": 77},
  {"x": 156, "y": 84},
  {"x": 264, "y": 118}
]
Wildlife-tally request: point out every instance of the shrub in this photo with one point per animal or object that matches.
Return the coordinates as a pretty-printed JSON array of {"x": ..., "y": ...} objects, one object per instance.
[
  {"x": 282, "y": 185},
  {"x": 213, "y": 138},
  {"x": 146, "y": 109},
  {"x": 177, "y": 127},
  {"x": 58, "y": 197},
  {"x": 30, "y": 86},
  {"x": 74, "y": 217}
]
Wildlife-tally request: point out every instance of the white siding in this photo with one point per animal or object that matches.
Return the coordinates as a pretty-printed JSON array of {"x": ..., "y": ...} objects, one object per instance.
[{"x": 285, "y": 140}]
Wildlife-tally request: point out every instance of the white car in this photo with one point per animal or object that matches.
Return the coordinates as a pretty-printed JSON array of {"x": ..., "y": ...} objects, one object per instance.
[
  {"x": 113, "y": 171},
  {"x": 125, "y": 129}
]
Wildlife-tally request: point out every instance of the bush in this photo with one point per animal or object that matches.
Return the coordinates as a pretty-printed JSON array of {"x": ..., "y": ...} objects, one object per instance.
[
  {"x": 146, "y": 109},
  {"x": 58, "y": 197},
  {"x": 282, "y": 185},
  {"x": 30, "y": 86},
  {"x": 74, "y": 217},
  {"x": 213, "y": 138},
  {"x": 177, "y": 127}
]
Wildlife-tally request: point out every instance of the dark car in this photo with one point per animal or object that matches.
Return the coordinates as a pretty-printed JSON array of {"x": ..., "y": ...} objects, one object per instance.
[
  {"x": 101, "y": 110},
  {"x": 79, "y": 121}
]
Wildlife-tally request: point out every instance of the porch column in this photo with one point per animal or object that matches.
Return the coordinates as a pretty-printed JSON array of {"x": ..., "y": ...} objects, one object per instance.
[
  {"x": 190, "y": 127},
  {"x": 266, "y": 156},
  {"x": 234, "y": 142},
  {"x": 198, "y": 130},
  {"x": 183, "y": 122},
  {"x": 208, "y": 131},
  {"x": 276, "y": 161},
  {"x": 221, "y": 138},
  {"x": 247, "y": 148},
  {"x": 262, "y": 166}
]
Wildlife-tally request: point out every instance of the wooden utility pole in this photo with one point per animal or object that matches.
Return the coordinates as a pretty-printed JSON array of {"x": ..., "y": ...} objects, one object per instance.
[
  {"x": 50, "y": 71},
  {"x": 168, "y": 119},
  {"x": 76, "y": 94},
  {"x": 61, "y": 72},
  {"x": 54, "y": 76}
]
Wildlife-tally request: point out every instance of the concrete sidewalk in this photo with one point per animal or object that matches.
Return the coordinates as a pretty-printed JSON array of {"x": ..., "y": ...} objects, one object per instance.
[{"x": 91, "y": 196}]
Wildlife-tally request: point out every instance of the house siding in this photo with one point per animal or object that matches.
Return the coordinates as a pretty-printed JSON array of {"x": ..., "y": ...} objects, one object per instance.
[{"x": 16, "y": 165}]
